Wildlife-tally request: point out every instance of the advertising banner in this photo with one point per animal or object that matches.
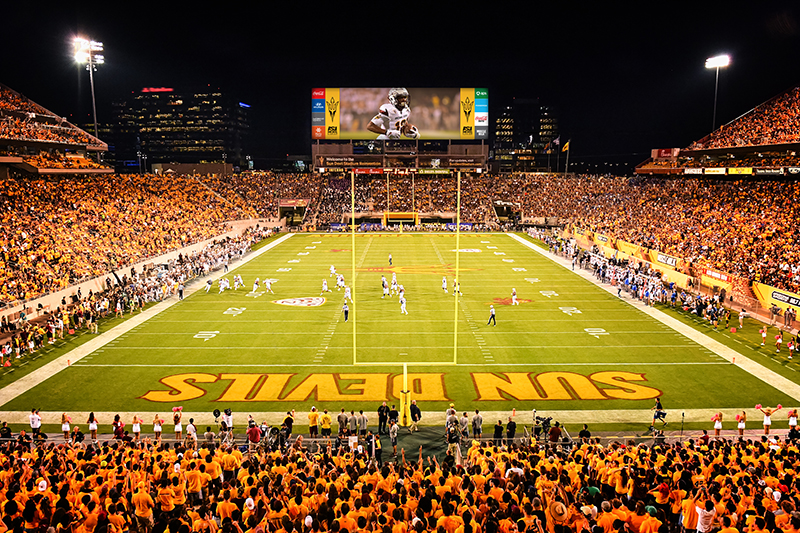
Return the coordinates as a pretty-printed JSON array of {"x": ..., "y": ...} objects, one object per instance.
[
  {"x": 386, "y": 113},
  {"x": 693, "y": 171},
  {"x": 740, "y": 170},
  {"x": 714, "y": 170},
  {"x": 769, "y": 172},
  {"x": 768, "y": 296}
]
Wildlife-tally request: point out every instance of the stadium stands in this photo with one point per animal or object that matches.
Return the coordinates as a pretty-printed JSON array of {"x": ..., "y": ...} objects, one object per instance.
[{"x": 143, "y": 486}]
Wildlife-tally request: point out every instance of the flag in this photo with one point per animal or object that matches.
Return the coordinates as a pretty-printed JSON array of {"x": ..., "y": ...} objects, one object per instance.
[
  {"x": 566, "y": 146},
  {"x": 557, "y": 140}
]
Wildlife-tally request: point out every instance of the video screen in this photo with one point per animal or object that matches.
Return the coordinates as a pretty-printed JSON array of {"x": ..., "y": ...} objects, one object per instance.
[{"x": 395, "y": 113}]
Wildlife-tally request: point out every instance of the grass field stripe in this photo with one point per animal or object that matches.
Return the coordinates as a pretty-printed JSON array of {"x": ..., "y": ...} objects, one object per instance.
[
  {"x": 28, "y": 382},
  {"x": 750, "y": 366}
]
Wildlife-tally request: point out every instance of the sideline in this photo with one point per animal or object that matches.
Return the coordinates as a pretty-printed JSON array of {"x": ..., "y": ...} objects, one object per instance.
[
  {"x": 750, "y": 366},
  {"x": 35, "y": 378}
]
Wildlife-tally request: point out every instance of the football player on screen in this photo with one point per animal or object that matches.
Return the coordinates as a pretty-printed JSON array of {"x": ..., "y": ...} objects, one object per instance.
[{"x": 392, "y": 119}]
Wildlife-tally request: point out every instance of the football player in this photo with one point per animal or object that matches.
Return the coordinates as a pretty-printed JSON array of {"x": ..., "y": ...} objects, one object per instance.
[{"x": 392, "y": 119}]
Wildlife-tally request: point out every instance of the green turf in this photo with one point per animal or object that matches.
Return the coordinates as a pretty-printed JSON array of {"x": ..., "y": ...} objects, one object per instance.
[{"x": 271, "y": 357}]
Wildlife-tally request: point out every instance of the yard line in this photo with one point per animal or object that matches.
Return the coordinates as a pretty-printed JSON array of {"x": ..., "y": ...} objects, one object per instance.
[
  {"x": 394, "y": 363},
  {"x": 381, "y": 347}
]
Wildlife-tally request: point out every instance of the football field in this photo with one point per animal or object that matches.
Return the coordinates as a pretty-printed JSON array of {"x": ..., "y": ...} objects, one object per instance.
[{"x": 568, "y": 345}]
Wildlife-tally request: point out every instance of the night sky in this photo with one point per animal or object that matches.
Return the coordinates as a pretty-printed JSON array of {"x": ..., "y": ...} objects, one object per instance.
[{"x": 624, "y": 80}]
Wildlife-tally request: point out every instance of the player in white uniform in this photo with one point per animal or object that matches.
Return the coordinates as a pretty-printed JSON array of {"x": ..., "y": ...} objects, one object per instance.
[
  {"x": 347, "y": 294},
  {"x": 208, "y": 288},
  {"x": 456, "y": 288},
  {"x": 333, "y": 271},
  {"x": 385, "y": 286},
  {"x": 444, "y": 284},
  {"x": 237, "y": 282},
  {"x": 514, "y": 297},
  {"x": 394, "y": 287},
  {"x": 392, "y": 119},
  {"x": 403, "y": 306},
  {"x": 255, "y": 285},
  {"x": 268, "y": 285},
  {"x": 325, "y": 287},
  {"x": 339, "y": 282}
]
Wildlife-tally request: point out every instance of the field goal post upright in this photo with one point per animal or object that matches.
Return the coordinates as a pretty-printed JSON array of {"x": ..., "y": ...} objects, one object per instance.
[
  {"x": 457, "y": 279},
  {"x": 353, "y": 255}
]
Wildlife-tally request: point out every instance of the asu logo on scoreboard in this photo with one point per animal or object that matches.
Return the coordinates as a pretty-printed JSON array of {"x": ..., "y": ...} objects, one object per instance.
[{"x": 325, "y": 116}]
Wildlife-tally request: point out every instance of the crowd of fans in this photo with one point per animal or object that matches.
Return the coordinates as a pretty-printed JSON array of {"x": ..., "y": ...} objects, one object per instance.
[
  {"x": 203, "y": 486},
  {"x": 774, "y": 122},
  {"x": 30, "y": 129},
  {"x": 27, "y": 334},
  {"x": 57, "y": 231}
]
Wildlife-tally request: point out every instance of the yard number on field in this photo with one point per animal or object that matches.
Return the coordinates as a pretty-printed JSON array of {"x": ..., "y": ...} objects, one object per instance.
[
  {"x": 532, "y": 280},
  {"x": 288, "y": 269},
  {"x": 570, "y": 311},
  {"x": 596, "y": 332},
  {"x": 548, "y": 293},
  {"x": 206, "y": 335},
  {"x": 255, "y": 294},
  {"x": 519, "y": 269},
  {"x": 235, "y": 311}
]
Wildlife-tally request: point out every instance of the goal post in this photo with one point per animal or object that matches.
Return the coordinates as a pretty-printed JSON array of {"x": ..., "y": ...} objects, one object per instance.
[{"x": 401, "y": 217}]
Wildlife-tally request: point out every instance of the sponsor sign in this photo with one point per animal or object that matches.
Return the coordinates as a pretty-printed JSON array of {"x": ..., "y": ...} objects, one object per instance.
[
  {"x": 438, "y": 113},
  {"x": 793, "y": 170},
  {"x": 311, "y": 301},
  {"x": 721, "y": 276},
  {"x": 666, "y": 259},
  {"x": 740, "y": 170},
  {"x": 769, "y": 171},
  {"x": 714, "y": 170},
  {"x": 348, "y": 161},
  {"x": 786, "y": 298},
  {"x": 601, "y": 238},
  {"x": 433, "y": 171},
  {"x": 296, "y": 202},
  {"x": 693, "y": 171}
]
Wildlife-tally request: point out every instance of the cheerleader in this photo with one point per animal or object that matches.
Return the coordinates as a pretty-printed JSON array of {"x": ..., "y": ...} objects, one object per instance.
[
  {"x": 741, "y": 419},
  {"x": 65, "y": 420},
  {"x": 767, "y": 416},
  {"x": 177, "y": 414},
  {"x": 717, "y": 419},
  {"x": 137, "y": 427},
  {"x": 157, "y": 428},
  {"x": 92, "y": 421},
  {"x": 792, "y": 419}
]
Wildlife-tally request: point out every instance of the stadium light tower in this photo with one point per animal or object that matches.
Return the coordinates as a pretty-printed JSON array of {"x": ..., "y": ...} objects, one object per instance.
[
  {"x": 88, "y": 52},
  {"x": 717, "y": 62}
]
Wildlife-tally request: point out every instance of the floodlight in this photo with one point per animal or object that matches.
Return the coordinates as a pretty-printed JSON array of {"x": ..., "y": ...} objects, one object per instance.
[{"x": 718, "y": 61}]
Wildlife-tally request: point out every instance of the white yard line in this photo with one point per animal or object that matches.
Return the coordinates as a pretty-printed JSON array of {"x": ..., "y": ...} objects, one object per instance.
[
  {"x": 750, "y": 366},
  {"x": 28, "y": 382}
]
